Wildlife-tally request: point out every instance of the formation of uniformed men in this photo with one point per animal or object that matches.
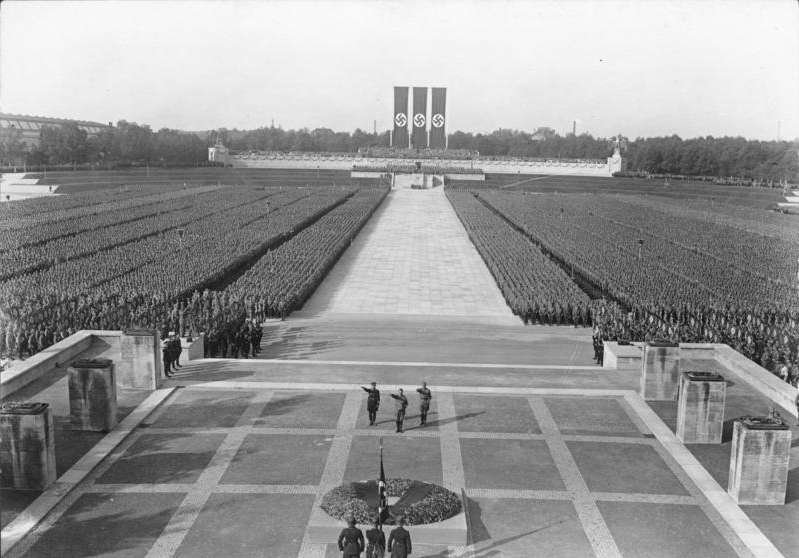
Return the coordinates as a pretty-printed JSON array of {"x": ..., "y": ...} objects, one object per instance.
[
  {"x": 351, "y": 541},
  {"x": 767, "y": 336},
  {"x": 400, "y": 404},
  {"x": 236, "y": 342}
]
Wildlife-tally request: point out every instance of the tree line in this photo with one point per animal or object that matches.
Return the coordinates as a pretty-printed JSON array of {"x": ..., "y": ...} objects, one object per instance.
[
  {"x": 128, "y": 142},
  {"x": 125, "y": 143}
]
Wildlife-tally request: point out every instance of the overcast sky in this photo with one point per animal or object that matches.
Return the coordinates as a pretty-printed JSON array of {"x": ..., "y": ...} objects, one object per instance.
[{"x": 638, "y": 67}]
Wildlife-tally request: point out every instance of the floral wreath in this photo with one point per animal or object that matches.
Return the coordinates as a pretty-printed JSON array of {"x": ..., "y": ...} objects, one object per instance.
[{"x": 419, "y": 502}]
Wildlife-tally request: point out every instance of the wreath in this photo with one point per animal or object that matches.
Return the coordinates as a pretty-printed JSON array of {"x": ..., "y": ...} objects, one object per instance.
[{"x": 419, "y": 502}]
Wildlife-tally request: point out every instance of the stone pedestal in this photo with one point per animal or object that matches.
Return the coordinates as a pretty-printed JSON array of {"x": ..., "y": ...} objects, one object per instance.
[
  {"x": 27, "y": 446},
  {"x": 700, "y": 407},
  {"x": 759, "y": 462},
  {"x": 660, "y": 368},
  {"x": 93, "y": 395},
  {"x": 140, "y": 360}
]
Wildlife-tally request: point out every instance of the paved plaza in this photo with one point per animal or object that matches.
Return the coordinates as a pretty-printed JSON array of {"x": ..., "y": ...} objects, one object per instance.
[
  {"x": 236, "y": 465},
  {"x": 412, "y": 258}
]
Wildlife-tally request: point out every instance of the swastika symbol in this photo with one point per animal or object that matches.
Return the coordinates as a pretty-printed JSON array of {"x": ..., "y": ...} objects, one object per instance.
[
  {"x": 438, "y": 120},
  {"x": 401, "y": 119},
  {"x": 418, "y": 120}
]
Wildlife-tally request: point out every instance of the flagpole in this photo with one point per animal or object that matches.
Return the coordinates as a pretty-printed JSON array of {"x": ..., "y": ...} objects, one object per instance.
[{"x": 381, "y": 491}]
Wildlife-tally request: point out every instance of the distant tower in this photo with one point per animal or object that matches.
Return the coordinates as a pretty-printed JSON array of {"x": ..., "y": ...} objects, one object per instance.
[{"x": 219, "y": 153}]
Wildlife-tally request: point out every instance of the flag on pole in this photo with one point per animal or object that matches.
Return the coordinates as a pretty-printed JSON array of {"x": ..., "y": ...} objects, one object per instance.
[{"x": 382, "y": 502}]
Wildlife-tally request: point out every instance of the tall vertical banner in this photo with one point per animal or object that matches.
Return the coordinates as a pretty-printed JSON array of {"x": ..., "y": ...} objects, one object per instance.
[
  {"x": 419, "y": 120},
  {"x": 438, "y": 118},
  {"x": 400, "y": 137}
]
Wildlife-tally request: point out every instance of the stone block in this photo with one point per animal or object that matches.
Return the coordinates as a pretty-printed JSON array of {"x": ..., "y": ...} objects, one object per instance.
[
  {"x": 27, "y": 446},
  {"x": 193, "y": 347},
  {"x": 759, "y": 462},
  {"x": 93, "y": 395},
  {"x": 621, "y": 357},
  {"x": 660, "y": 368},
  {"x": 140, "y": 363},
  {"x": 700, "y": 407}
]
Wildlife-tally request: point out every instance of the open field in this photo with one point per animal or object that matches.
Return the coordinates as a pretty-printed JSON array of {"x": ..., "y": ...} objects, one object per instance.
[
  {"x": 759, "y": 198},
  {"x": 81, "y": 181}
]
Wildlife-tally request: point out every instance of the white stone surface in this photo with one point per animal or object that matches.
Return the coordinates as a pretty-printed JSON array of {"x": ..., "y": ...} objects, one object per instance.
[{"x": 413, "y": 257}]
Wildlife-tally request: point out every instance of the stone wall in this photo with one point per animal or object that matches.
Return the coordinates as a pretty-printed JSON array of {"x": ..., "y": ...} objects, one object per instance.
[{"x": 497, "y": 167}]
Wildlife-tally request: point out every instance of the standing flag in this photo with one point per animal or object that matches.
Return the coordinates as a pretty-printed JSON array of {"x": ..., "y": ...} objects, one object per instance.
[
  {"x": 438, "y": 118},
  {"x": 419, "y": 137},
  {"x": 382, "y": 502},
  {"x": 400, "y": 136}
]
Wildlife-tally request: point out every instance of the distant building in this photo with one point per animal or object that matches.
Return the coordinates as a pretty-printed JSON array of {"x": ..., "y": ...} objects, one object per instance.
[
  {"x": 219, "y": 153},
  {"x": 31, "y": 126},
  {"x": 26, "y": 130}
]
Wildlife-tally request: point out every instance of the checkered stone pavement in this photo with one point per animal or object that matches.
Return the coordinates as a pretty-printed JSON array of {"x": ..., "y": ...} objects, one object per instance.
[{"x": 253, "y": 488}]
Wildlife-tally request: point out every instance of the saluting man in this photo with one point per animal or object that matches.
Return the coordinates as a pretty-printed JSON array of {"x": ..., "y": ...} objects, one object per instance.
[
  {"x": 372, "y": 402},
  {"x": 425, "y": 395}
]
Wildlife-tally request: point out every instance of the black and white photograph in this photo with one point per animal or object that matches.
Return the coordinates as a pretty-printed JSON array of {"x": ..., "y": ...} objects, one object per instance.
[{"x": 407, "y": 279}]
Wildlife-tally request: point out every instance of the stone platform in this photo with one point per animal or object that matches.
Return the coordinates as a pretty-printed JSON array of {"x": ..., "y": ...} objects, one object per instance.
[{"x": 566, "y": 470}]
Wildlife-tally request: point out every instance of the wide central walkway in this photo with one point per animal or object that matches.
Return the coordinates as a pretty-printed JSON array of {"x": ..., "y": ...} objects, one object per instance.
[{"x": 412, "y": 258}]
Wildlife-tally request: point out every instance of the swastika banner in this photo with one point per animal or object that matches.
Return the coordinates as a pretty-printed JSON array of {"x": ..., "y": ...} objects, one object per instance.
[
  {"x": 438, "y": 118},
  {"x": 400, "y": 118},
  {"x": 419, "y": 136}
]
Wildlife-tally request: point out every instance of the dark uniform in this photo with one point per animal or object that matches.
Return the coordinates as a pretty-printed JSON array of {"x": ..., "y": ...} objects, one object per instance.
[
  {"x": 424, "y": 404},
  {"x": 372, "y": 403},
  {"x": 167, "y": 355},
  {"x": 176, "y": 350},
  {"x": 399, "y": 543},
  {"x": 350, "y": 542},
  {"x": 375, "y": 543},
  {"x": 401, "y": 403}
]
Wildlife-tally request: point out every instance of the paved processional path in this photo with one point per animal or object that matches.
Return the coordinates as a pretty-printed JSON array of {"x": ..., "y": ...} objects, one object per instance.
[{"x": 413, "y": 258}]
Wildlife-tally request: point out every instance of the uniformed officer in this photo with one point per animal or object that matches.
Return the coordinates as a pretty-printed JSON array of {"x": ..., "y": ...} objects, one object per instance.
[
  {"x": 399, "y": 540},
  {"x": 350, "y": 541},
  {"x": 400, "y": 404},
  {"x": 176, "y": 350},
  {"x": 425, "y": 395},
  {"x": 375, "y": 541},
  {"x": 372, "y": 402}
]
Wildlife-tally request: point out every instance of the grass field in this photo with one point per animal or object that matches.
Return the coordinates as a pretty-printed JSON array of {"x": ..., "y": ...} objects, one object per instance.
[{"x": 759, "y": 198}]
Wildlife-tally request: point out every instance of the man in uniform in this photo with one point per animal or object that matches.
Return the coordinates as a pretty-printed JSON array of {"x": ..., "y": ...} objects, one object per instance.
[
  {"x": 372, "y": 402},
  {"x": 400, "y": 403},
  {"x": 176, "y": 350},
  {"x": 425, "y": 395},
  {"x": 399, "y": 540},
  {"x": 350, "y": 541},
  {"x": 167, "y": 355}
]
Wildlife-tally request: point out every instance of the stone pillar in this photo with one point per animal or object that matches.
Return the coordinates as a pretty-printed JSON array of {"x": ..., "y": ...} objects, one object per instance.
[
  {"x": 660, "y": 369},
  {"x": 93, "y": 395},
  {"x": 700, "y": 407},
  {"x": 140, "y": 360},
  {"x": 27, "y": 446},
  {"x": 759, "y": 461}
]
